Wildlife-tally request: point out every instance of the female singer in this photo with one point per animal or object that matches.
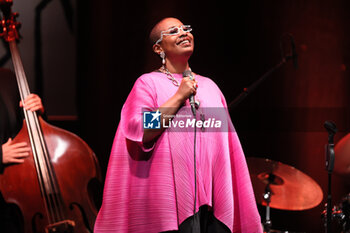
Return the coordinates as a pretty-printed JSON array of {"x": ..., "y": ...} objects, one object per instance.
[{"x": 152, "y": 182}]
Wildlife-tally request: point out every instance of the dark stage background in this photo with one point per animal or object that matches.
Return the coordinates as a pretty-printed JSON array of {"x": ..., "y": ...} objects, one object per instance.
[{"x": 235, "y": 43}]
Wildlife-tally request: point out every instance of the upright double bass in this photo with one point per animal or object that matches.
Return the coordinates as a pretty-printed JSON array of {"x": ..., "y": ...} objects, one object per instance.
[{"x": 53, "y": 188}]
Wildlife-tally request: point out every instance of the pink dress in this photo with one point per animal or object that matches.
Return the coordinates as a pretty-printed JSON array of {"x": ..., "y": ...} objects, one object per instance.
[{"x": 157, "y": 194}]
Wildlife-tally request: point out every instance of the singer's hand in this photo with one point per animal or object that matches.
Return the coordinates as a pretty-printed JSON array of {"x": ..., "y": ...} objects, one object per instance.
[
  {"x": 186, "y": 88},
  {"x": 169, "y": 108}
]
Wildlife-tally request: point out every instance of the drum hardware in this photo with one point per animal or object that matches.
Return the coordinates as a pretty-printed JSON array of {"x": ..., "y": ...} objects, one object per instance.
[
  {"x": 267, "y": 199},
  {"x": 340, "y": 213}
]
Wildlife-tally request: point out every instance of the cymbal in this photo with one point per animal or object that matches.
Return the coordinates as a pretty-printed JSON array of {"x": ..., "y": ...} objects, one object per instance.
[
  {"x": 342, "y": 160},
  {"x": 290, "y": 188}
]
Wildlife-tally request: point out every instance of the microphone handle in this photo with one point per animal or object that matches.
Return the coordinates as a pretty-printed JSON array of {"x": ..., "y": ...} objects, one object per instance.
[
  {"x": 192, "y": 102},
  {"x": 188, "y": 73}
]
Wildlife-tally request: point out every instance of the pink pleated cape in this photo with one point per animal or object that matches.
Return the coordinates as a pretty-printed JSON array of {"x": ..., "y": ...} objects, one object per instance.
[{"x": 157, "y": 194}]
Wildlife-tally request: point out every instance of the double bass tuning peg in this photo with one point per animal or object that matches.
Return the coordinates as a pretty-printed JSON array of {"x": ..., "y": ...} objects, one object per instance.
[{"x": 9, "y": 24}]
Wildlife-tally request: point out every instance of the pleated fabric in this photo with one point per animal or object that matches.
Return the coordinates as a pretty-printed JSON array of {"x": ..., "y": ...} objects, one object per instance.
[{"x": 152, "y": 190}]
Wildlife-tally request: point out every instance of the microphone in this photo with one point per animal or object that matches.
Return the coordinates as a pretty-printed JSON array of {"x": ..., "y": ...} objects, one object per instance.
[
  {"x": 330, "y": 127},
  {"x": 188, "y": 73},
  {"x": 294, "y": 53}
]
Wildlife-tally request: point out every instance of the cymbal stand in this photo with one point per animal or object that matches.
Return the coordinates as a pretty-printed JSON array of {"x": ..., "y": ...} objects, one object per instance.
[
  {"x": 267, "y": 198},
  {"x": 332, "y": 129}
]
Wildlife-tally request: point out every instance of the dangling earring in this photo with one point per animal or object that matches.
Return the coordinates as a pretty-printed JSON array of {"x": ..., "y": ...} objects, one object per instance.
[{"x": 162, "y": 56}]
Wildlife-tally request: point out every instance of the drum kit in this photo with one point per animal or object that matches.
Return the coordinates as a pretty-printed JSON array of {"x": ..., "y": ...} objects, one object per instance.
[{"x": 280, "y": 186}]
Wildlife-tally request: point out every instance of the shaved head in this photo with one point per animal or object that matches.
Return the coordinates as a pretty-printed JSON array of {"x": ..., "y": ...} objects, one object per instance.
[{"x": 159, "y": 27}]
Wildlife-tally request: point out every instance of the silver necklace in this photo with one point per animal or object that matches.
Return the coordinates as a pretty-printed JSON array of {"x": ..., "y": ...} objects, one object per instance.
[{"x": 169, "y": 75}]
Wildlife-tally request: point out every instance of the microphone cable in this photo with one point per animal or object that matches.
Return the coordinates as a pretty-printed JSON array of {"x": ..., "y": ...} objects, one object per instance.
[
  {"x": 195, "y": 163},
  {"x": 196, "y": 219}
]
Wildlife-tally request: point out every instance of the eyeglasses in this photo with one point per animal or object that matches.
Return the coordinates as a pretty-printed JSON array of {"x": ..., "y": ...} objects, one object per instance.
[{"x": 173, "y": 31}]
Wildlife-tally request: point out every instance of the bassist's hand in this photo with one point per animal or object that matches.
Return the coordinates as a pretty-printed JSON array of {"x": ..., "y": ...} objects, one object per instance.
[
  {"x": 33, "y": 103},
  {"x": 14, "y": 152}
]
